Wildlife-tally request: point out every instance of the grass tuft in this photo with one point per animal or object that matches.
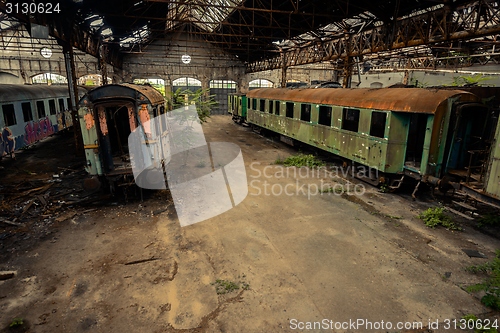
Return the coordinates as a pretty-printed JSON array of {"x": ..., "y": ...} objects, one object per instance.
[
  {"x": 491, "y": 285},
  {"x": 434, "y": 217},
  {"x": 301, "y": 160}
]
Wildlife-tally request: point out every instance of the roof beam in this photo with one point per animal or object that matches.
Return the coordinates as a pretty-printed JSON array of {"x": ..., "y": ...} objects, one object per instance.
[
  {"x": 476, "y": 19},
  {"x": 66, "y": 31}
]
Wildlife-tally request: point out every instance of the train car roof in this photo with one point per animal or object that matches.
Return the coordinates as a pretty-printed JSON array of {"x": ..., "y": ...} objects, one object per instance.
[
  {"x": 393, "y": 99},
  {"x": 125, "y": 90},
  {"x": 18, "y": 92}
]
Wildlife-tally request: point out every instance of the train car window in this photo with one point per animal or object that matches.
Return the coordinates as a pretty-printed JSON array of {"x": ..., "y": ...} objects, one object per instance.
[
  {"x": 61, "y": 104},
  {"x": 377, "y": 127},
  {"x": 40, "y": 108},
  {"x": 27, "y": 114},
  {"x": 9, "y": 115},
  {"x": 305, "y": 112},
  {"x": 289, "y": 110},
  {"x": 262, "y": 106},
  {"x": 277, "y": 107},
  {"x": 52, "y": 106},
  {"x": 68, "y": 102},
  {"x": 325, "y": 115},
  {"x": 350, "y": 119},
  {"x": 254, "y": 103},
  {"x": 271, "y": 107}
]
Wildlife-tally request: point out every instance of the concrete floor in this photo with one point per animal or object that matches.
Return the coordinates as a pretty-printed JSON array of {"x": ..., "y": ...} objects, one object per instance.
[{"x": 340, "y": 258}]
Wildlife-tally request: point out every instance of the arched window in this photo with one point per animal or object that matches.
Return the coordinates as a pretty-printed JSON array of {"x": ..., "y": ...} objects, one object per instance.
[
  {"x": 260, "y": 83},
  {"x": 49, "y": 78},
  {"x": 186, "y": 82},
  {"x": 158, "y": 84},
  {"x": 92, "y": 80}
]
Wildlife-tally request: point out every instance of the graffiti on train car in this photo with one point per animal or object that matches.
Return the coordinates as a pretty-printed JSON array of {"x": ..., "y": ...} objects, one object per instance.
[
  {"x": 7, "y": 142},
  {"x": 33, "y": 132},
  {"x": 64, "y": 120},
  {"x": 37, "y": 130}
]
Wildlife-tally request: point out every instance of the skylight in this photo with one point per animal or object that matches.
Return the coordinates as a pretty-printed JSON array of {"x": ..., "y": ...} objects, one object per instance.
[{"x": 206, "y": 14}]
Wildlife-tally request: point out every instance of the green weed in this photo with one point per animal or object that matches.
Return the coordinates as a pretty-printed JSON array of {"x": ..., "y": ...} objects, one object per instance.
[
  {"x": 224, "y": 286},
  {"x": 434, "y": 217},
  {"x": 491, "y": 285},
  {"x": 384, "y": 188},
  {"x": 301, "y": 160},
  {"x": 17, "y": 322},
  {"x": 478, "y": 324},
  {"x": 338, "y": 189},
  {"x": 489, "y": 220}
]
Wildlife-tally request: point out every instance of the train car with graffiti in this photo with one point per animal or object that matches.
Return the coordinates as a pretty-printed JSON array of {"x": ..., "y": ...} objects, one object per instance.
[
  {"x": 31, "y": 113},
  {"x": 108, "y": 115},
  {"x": 424, "y": 134}
]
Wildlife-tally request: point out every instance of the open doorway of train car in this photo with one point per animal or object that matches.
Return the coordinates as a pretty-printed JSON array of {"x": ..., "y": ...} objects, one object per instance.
[
  {"x": 115, "y": 129},
  {"x": 469, "y": 142},
  {"x": 415, "y": 141}
]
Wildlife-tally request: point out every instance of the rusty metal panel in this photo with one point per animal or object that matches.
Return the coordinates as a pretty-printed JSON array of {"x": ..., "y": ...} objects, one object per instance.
[
  {"x": 126, "y": 90},
  {"x": 154, "y": 96},
  {"x": 493, "y": 178},
  {"x": 398, "y": 132},
  {"x": 392, "y": 99},
  {"x": 88, "y": 125}
]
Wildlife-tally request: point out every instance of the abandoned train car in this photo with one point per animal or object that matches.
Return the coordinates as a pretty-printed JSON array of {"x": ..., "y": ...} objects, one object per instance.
[
  {"x": 237, "y": 107},
  {"x": 31, "y": 113},
  {"x": 424, "y": 134},
  {"x": 108, "y": 114}
]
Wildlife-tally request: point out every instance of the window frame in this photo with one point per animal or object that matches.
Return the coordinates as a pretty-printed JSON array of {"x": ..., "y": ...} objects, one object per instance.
[
  {"x": 277, "y": 107},
  {"x": 28, "y": 112},
  {"x": 381, "y": 129},
  {"x": 321, "y": 111},
  {"x": 348, "y": 124},
  {"x": 289, "y": 109},
  {"x": 9, "y": 115},
  {"x": 262, "y": 105},
  {"x": 305, "y": 110},
  {"x": 38, "y": 109},
  {"x": 52, "y": 107}
]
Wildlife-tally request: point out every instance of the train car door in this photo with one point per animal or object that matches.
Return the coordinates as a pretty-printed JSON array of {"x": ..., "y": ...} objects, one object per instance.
[
  {"x": 418, "y": 142},
  {"x": 116, "y": 126},
  {"x": 90, "y": 139},
  {"x": 469, "y": 143},
  {"x": 493, "y": 170}
]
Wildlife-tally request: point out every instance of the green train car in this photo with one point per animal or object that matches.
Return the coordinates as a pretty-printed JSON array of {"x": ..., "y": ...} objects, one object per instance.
[
  {"x": 237, "y": 107},
  {"x": 395, "y": 132}
]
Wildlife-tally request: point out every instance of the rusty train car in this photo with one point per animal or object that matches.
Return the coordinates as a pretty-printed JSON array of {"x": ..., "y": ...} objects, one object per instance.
[
  {"x": 424, "y": 134},
  {"x": 31, "y": 113},
  {"x": 108, "y": 115}
]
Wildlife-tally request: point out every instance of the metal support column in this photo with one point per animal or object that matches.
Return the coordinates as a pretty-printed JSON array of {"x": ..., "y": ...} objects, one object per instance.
[
  {"x": 103, "y": 65},
  {"x": 347, "y": 72},
  {"x": 73, "y": 93},
  {"x": 284, "y": 67},
  {"x": 348, "y": 64}
]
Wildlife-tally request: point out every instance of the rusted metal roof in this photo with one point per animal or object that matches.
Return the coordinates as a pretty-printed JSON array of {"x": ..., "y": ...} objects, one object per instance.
[
  {"x": 125, "y": 90},
  {"x": 151, "y": 93},
  {"x": 394, "y": 99}
]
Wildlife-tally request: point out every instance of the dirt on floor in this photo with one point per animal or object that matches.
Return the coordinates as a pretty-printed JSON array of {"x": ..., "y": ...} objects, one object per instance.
[{"x": 288, "y": 258}]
